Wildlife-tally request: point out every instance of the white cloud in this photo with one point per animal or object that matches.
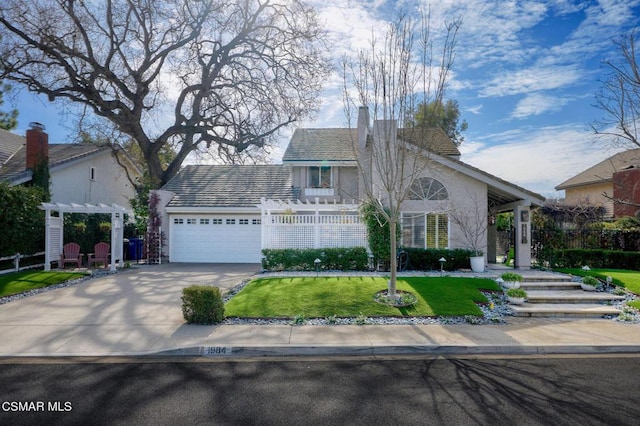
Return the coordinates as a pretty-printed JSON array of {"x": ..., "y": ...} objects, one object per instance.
[
  {"x": 536, "y": 104},
  {"x": 536, "y": 159},
  {"x": 531, "y": 80}
]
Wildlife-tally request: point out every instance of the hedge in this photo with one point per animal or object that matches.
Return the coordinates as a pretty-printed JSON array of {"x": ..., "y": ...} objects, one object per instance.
[
  {"x": 334, "y": 259},
  {"x": 429, "y": 259},
  {"x": 576, "y": 258},
  {"x": 202, "y": 304}
]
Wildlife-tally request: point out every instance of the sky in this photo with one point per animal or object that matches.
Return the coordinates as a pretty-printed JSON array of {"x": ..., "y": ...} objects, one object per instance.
[{"x": 525, "y": 77}]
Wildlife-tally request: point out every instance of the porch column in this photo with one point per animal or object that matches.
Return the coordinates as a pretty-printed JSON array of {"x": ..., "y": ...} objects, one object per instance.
[
  {"x": 47, "y": 240},
  {"x": 522, "y": 219},
  {"x": 113, "y": 241}
]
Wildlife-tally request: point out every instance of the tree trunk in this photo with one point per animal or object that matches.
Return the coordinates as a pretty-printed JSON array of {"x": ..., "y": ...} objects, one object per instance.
[{"x": 393, "y": 260}]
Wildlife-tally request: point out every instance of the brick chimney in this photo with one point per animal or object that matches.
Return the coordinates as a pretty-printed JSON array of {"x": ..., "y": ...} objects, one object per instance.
[{"x": 37, "y": 145}]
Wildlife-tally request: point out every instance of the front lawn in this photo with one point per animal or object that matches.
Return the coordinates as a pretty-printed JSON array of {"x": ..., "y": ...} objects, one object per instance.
[
  {"x": 321, "y": 297},
  {"x": 626, "y": 278},
  {"x": 19, "y": 282}
]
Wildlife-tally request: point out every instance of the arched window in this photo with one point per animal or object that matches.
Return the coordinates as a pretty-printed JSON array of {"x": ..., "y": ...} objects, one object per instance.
[{"x": 426, "y": 188}]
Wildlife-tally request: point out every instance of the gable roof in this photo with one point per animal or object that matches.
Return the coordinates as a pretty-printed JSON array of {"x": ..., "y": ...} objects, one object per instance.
[
  {"x": 337, "y": 144},
  {"x": 334, "y": 144},
  {"x": 10, "y": 143},
  {"x": 604, "y": 170},
  {"x": 230, "y": 186},
  {"x": 14, "y": 170}
]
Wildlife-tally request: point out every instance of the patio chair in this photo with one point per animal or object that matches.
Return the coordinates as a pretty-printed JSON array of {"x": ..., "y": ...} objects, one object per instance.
[
  {"x": 100, "y": 255},
  {"x": 71, "y": 254}
]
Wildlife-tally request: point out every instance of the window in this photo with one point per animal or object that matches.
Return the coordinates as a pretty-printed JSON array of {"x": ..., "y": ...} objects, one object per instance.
[
  {"x": 230, "y": 222},
  {"x": 204, "y": 221},
  {"x": 256, "y": 221},
  {"x": 217, "y": 221},
  {"x": 243, "y": 221},
  {"x": 425, "y": 230},
  {"x": 320, "y": 177},
  {"x": 92, "y": 173},
  {"x": 426, "y": 188},
  {"x": 178, "y": 221},
  {"x": 191, "y": 221}
]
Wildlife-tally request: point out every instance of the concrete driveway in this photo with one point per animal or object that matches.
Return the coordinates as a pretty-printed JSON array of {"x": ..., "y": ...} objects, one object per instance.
[{"x": 130, "y": 311}]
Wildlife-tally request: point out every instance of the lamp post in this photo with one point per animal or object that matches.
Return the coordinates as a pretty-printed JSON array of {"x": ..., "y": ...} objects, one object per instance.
[
  {"x": 317, "y": 263},
  {"x": 442, "y": 260}
]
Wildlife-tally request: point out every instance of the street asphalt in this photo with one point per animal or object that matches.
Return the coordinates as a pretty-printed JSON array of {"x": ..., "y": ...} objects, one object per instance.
[{"x": 138, "y": 312}]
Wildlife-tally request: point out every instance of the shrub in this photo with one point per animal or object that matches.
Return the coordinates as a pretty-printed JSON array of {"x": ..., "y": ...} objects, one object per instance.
[
  {"x": 576, "y": 258},
  {"x": 429, "y": 259},
  {"x": 592, "y": 281},
  {"x": 202, "y": 304},
  {"x": 341, "y": 259},
  {"x": 511, "y": 277},
  {"x": 516, "y": 292}
]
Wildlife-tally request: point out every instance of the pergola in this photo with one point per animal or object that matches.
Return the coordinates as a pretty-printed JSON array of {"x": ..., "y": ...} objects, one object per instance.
[{"x": 54, "y": 234}]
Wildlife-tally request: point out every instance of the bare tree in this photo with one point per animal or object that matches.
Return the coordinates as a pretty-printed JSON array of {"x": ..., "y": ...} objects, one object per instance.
[
  {"x": 619, "y": 98},
  {"x": 389, "y": 80},
  {"x": 219, "y": 74}
]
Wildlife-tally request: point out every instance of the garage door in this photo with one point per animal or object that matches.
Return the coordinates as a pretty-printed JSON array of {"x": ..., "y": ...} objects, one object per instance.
[{"x": 215, "y": 238}]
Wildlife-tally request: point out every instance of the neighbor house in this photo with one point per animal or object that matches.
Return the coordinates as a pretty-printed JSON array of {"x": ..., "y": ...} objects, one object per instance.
[
  {"x": 616, "y": 178},
  {"x": 79, "y": 173},
  {"x": 229, "y": 213}
]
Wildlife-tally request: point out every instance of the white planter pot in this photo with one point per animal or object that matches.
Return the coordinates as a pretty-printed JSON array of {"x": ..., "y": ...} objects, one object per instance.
[
  {"x": 477, "y": 263},
  {"x": 516, "y": 300},
  {"x": 587, "y": 287},
  {"x": 511, "y": 284}
]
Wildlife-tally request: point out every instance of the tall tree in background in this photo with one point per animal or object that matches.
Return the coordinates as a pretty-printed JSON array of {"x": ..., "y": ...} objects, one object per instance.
[
  {"x": 388, "y": 81},
  {"x": 8, "y": 120},
  {"x": 444, "y": 115},
  {"x": 619, "y": 98},
  {"x": 212, "y": 74}
]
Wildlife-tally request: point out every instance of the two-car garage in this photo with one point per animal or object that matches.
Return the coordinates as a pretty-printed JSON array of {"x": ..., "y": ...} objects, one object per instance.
[{"x": 215, "y": 238}]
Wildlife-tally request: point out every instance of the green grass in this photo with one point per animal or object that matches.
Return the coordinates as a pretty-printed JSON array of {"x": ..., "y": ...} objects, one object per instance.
[
  {"x": 321, "y": 297},
  {"x": 634, "y": 303},
  {"x": 622, "y": 277},
  {"x": 19, "y": 282}
]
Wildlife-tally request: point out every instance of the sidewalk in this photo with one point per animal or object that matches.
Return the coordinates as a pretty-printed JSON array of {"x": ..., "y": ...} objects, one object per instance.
[{"x": 138, "y": 313}]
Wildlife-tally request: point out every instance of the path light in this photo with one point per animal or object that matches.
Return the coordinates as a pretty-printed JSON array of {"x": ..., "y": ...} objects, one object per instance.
[
  {"x": 317, "y": 262},
  {"x": 442, "y": 260}
]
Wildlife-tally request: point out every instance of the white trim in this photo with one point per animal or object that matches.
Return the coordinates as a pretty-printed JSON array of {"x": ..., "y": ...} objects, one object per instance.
[{"x": 206, "y": 210}]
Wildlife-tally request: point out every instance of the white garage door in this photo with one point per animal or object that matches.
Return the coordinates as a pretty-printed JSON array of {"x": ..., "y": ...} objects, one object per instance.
[{"x": 215, "y": 238}]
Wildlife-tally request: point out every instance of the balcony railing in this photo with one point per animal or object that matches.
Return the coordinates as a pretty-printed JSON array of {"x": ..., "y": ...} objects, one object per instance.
[{"x": 319, "y": 192}]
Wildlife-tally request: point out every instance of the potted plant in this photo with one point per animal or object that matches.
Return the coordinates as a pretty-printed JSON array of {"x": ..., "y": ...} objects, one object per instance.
[
  {"x": 589, "y": 283},
  {"x": 511, "y": 280},
  {"x": 516, "y": 296},
  {"x": 472, "y": 227}
]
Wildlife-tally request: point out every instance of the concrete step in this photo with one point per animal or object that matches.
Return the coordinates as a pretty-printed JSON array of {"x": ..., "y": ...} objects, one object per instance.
[
  {"x": 570, "y": 296},
  {"x": 550, "y": 285},
  {"x": 580, "y": 310},
  {"x": 546, "y": 278}
]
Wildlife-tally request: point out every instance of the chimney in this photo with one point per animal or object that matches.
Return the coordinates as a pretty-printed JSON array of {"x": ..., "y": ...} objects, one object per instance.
[
  {"x": 363, "y": 126},
  {"x": 37, "y": 145}
]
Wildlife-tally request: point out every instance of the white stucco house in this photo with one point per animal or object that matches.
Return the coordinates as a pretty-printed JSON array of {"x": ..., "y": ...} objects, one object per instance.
[
  {"x": 230, "y": 213},
  {"x": 80, "y": 173}
]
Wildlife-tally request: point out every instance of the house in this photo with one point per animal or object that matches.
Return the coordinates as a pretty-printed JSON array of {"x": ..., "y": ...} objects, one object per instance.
[
  {"x": 230, "y": 213},
  {"x": 79, "y": 173},
  {"x": 617, "y": 177}
]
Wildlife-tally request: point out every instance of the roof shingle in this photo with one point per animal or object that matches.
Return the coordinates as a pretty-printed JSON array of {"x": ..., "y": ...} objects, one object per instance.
[{"x": 604, "y": 170}]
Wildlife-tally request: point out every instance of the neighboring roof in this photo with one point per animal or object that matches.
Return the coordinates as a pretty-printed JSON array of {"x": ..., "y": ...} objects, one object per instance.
[
  {"x": 14, "y": 170},
  {"x": 337, "y": 144},
  {"x": 322, "y": 145},
  {"x": 603, "y": 171},
  {"x": 435, "y": 139},
  {"x": 230, "y": 186},
  {"x": 10, "y": 143}
]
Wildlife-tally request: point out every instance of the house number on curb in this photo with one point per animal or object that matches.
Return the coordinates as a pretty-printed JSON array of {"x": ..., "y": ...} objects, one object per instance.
[{"x": 216, "y": 350}]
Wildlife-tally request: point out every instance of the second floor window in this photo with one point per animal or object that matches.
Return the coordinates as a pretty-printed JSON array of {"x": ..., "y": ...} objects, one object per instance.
[{"x": 320, "y": 177}]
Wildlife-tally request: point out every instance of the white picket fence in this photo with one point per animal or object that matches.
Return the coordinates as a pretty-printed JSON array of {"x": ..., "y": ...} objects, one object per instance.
[{"x": 313, "y": 231}]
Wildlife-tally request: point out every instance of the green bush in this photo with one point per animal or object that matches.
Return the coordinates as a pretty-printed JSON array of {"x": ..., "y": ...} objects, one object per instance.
[
  {"x": 516, "y": 292},
  {"x": 429, "y": 259},
  {"x": 511, "y": 277},
  {"x": 331, "y": 259},
  {"x": 202, "y": 304},
  {"x": 576, "y": 258},
  {"x": 589, "y": 280},
  {"x": 21, "y": 220}
]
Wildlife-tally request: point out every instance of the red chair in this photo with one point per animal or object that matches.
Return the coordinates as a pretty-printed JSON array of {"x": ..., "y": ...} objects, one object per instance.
[
  {"x": 71, "y": 254},
  {"x": 100, "y": 255}
]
